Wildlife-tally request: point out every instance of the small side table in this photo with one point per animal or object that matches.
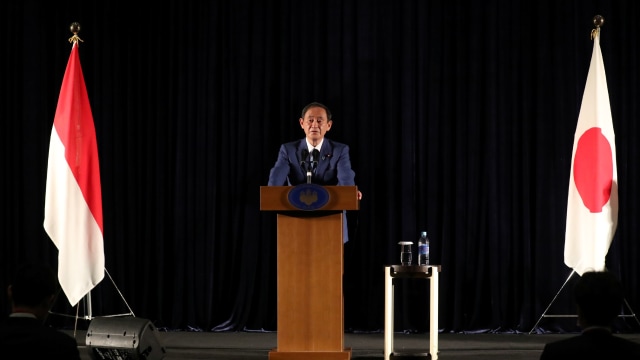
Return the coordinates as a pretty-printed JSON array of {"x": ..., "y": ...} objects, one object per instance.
[{"x": 419, "y": 272}]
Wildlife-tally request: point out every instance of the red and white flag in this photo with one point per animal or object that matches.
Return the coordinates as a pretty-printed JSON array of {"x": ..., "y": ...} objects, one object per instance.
[
  {"x": 73, "y": 203},
  {"x": 592, "y": 208}
]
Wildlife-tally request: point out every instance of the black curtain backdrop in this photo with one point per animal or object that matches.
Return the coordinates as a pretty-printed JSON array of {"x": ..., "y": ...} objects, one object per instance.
[{"x": 460, "y": 116}]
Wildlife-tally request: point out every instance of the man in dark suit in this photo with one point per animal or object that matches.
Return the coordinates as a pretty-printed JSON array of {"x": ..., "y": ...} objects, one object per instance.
[
  {"x": 24, "y": 335},
  {"x": 599, "y": 297},
  {"x": 327, "y": 162}
]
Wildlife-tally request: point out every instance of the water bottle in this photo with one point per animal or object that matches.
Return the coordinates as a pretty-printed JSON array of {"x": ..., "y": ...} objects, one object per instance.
[{"x": 423, "y": 249}]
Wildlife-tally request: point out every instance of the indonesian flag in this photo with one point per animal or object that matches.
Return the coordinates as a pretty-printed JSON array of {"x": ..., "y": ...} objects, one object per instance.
[
  {"x": 592, "y": 209},
  {"x": 73, "y": 203}
]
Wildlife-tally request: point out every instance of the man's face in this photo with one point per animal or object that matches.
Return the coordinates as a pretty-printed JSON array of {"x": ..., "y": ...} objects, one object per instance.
[{"x": 315, "y": 124}]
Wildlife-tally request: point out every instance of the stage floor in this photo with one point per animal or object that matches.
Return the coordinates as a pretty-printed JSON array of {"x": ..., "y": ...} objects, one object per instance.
[{"x": 257, "y": 345}]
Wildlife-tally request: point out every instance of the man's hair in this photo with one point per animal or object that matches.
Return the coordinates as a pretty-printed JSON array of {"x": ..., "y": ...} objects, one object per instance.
[
  {"x": 598, "y": 295},
  {"x": 316, "y": 104},
  {"x": 33, "y": 283}
]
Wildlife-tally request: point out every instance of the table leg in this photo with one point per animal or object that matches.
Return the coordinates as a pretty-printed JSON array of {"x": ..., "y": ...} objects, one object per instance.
[
  {"x": 388, "y": 313},
  {"x": 433, "y": 314}
]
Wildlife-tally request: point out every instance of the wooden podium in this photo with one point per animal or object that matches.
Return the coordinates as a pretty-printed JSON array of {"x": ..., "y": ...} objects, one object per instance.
[{"x": 310, "y": 269}]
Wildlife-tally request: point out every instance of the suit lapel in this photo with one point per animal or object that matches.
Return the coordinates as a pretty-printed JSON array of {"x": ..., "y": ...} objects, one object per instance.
[
  {"x": 302, "y": 145},
  {"x": 325, "y": 156}
]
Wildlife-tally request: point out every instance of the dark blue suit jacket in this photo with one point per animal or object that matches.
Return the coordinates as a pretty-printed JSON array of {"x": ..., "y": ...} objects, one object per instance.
[
  {"x": 592, "y": 344},
  {"x": 28, "y": 338},
  {"x": 334, "y": 168}
]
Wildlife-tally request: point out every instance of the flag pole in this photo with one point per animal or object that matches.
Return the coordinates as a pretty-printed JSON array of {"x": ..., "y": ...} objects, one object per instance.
[
  {"x": 598, "y": 20},
  {"x": 73, "y": 190},
  {"x": 75, "y": 39},
  {"x": 592, "y": 204},
  {"x": 75, "y": 29}
]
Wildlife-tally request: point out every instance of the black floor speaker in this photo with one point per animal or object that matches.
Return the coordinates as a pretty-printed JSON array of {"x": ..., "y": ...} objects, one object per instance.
[{"x": 123, "y": 338}]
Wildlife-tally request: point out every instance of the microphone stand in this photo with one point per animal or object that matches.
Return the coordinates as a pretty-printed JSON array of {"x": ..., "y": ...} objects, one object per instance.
[
  {"x": 313, "y": 164},
  {"x": 305, "y": 163}
]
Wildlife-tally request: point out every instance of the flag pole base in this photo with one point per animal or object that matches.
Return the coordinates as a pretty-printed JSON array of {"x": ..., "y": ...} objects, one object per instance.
[
  {"x": 544, "y": 314},
  {"x": 89, "y": 310}
]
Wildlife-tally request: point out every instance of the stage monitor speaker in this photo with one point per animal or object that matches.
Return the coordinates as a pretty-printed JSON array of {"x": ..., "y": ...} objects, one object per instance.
[{"x": 123, "y": 338}]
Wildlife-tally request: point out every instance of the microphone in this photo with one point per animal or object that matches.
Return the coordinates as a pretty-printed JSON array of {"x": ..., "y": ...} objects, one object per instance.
[
  {"x": 316, "y": 155},
  {"x": 303, "y": 163}
]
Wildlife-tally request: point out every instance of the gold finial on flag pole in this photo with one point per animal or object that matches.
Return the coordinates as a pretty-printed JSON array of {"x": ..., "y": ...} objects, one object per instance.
[
  {"x": 598, "y": 21},
  {"x": 75, "y": 29}
]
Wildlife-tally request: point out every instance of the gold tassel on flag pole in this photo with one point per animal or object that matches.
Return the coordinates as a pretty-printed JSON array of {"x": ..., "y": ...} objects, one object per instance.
[
  {"x": 598, "y": 21},
  {"x": 75, "y": 29}
]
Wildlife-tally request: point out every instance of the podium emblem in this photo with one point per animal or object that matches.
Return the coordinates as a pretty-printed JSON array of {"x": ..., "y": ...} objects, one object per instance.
[{"x": 308, "y": 197}]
